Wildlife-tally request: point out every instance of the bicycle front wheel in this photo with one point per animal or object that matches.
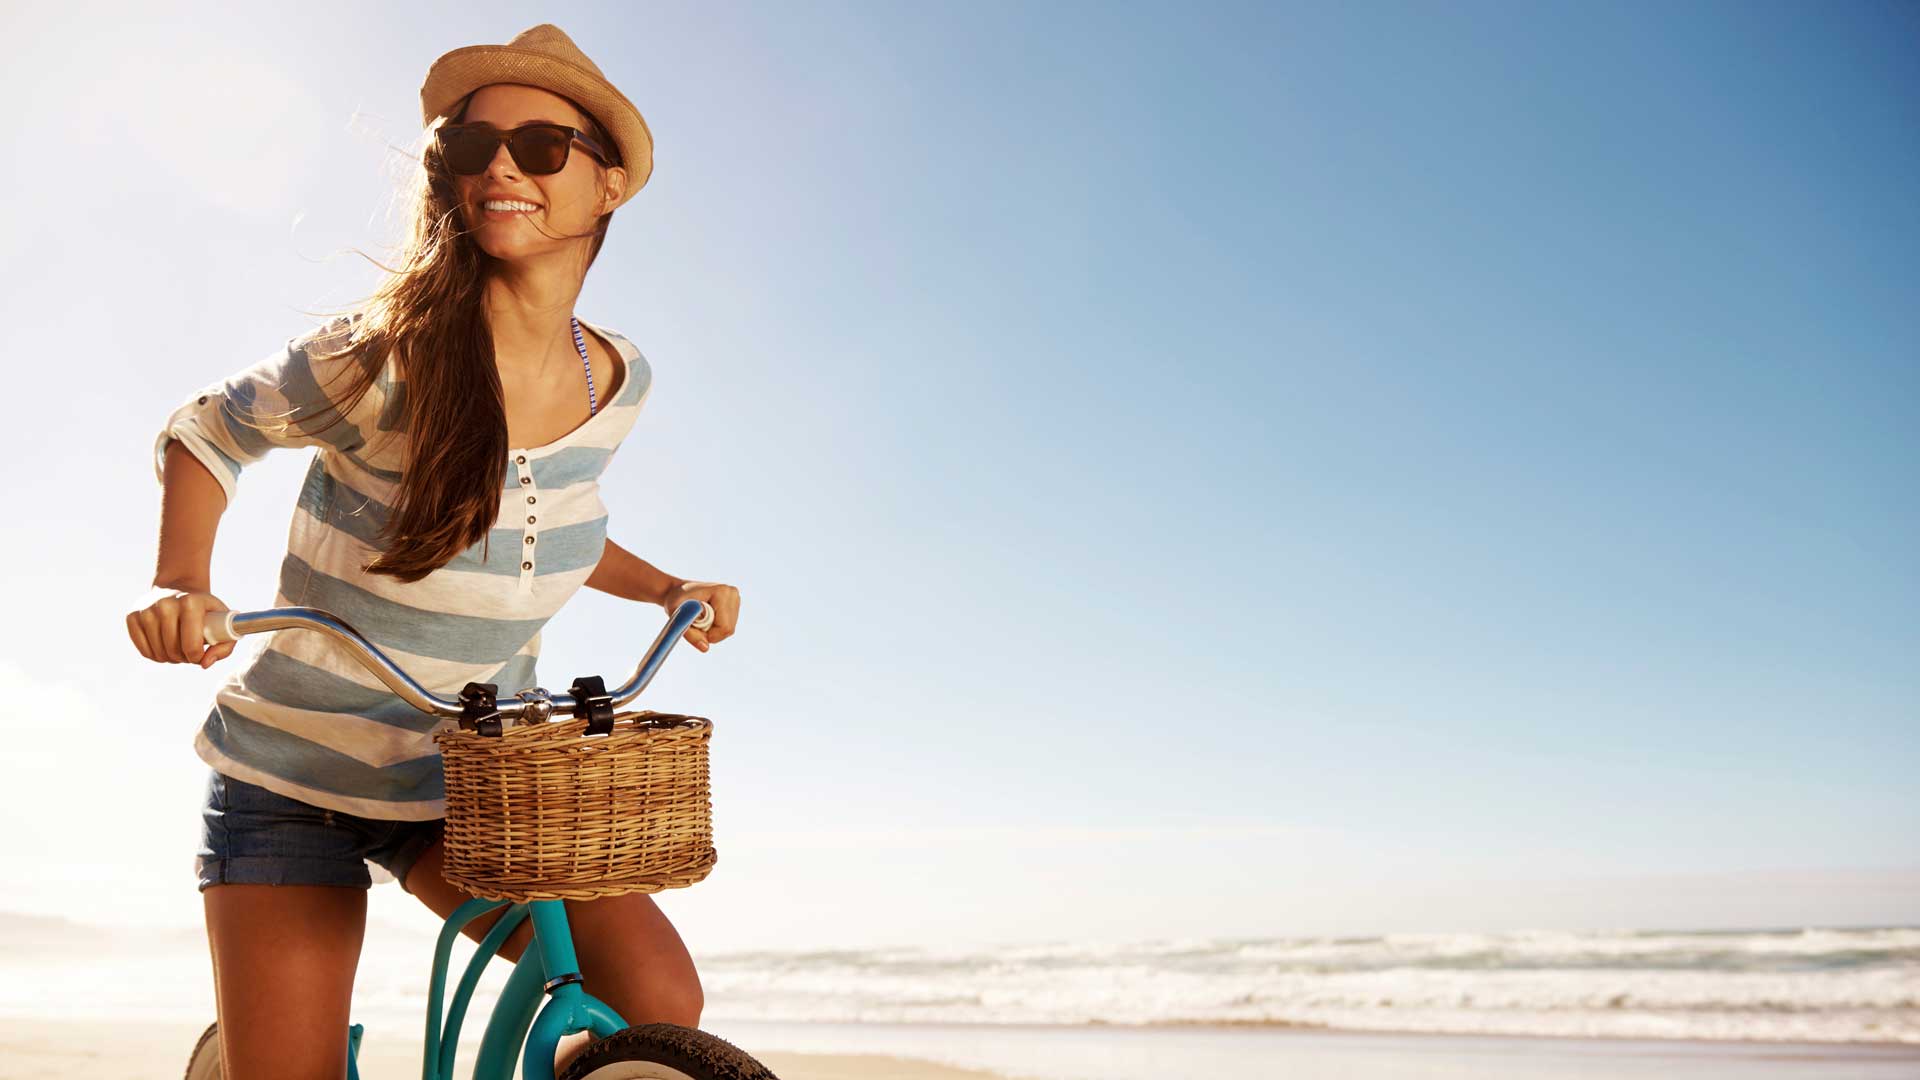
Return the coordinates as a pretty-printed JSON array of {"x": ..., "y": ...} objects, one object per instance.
[
  {"x": 204, "y": 1062},
  {"x": 665, "y": 1052}
]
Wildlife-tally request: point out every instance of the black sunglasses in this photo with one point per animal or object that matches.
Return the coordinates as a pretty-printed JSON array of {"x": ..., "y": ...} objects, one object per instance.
[{"x": 539, "y": 149}]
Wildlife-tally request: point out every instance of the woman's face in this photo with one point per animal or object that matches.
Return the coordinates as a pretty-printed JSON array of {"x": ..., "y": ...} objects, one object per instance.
[{"x": 569, "y": 202}]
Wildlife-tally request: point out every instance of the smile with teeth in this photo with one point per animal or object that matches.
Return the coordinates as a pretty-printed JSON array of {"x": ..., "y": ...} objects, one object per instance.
[{"x": 505, "y": 207}]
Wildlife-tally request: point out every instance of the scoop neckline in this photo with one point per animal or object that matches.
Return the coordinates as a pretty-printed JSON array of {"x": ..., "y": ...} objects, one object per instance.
[{"x": 626, "y": 373}]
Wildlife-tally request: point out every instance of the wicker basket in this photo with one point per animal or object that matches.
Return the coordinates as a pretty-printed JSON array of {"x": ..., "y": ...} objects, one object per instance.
[{"x": 546, "y": 812}]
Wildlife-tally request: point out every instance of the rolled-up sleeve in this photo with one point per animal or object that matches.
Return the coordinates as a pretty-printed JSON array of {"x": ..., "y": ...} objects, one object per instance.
[{"x": 281, "y": 401}]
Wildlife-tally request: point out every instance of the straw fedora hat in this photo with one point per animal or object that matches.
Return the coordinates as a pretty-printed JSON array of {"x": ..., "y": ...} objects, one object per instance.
[{"x": 544, "y": 56}]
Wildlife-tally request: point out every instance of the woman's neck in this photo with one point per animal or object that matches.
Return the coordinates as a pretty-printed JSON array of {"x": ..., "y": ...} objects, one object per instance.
[{"x": 532, "y": 322}]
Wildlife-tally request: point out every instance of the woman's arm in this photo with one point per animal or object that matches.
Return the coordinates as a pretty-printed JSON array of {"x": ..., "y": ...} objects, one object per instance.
[
  {"x": 167, "y": 627},
  {"x": 626, "y": 575},
  {"x": 190, "y": 508}
]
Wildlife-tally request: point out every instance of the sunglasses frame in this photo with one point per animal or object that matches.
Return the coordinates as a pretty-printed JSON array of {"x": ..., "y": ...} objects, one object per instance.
[{"x": 507, "y": 135}]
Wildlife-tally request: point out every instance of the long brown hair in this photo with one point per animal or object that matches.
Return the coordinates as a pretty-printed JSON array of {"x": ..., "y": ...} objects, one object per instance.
[{"x": 429, "y": 317}]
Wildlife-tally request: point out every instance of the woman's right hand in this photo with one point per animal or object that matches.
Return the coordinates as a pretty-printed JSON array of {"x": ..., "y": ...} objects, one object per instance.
[{"x": 168, "y": 629}]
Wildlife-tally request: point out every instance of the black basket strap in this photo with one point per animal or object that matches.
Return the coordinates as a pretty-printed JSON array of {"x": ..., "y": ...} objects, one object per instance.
[
  {"x": 479, "y": 708},
  {"x": 592, "y": 701}
]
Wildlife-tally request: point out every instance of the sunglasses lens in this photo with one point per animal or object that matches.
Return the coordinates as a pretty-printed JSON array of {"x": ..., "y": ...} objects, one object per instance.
[
  {"x": 467, "y": 151},
  {"x": 541, "y": 150}
]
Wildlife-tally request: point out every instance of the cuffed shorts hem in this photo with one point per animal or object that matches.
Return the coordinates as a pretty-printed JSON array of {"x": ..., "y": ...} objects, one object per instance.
[
  {"x": 409, "y": 853},
  {"x": 215, "y": 870}
]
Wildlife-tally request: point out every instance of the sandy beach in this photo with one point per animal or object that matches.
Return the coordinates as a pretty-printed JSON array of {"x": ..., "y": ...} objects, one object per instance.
[{"x": 34, "y": 1048}]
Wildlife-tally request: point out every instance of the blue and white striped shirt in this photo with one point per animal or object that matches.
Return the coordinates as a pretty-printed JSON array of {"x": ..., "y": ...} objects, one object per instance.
[{"x": 299, "y": 716}]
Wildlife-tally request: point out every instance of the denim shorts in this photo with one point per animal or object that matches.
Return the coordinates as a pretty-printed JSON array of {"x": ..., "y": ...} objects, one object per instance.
[{"x": 252, "y": 836}]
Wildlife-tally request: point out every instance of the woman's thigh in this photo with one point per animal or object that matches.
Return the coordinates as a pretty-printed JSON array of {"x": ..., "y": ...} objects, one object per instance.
[
  {"x": 630, "y": 955},
  {"x": 283, "y": 964}
]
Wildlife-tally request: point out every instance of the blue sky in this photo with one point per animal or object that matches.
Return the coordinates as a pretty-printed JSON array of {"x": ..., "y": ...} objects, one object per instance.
[{"x": 1348, "y": 462}]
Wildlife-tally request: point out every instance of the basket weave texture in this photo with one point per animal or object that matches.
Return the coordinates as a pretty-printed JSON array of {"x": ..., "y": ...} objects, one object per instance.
[{"x": 547, "y": 812}]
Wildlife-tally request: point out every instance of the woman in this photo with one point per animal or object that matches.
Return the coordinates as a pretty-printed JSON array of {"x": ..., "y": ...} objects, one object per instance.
[{"x": 462, "y": 416}]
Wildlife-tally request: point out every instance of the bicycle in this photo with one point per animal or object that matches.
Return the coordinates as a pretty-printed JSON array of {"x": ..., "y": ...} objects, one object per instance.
[{"x": 547, "y": 967}]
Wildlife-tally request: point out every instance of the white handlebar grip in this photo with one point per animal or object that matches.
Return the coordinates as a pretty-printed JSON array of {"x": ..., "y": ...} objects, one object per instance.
[
  {"x": 706, "y": 616},
  {"x": 217, "y": 626}
]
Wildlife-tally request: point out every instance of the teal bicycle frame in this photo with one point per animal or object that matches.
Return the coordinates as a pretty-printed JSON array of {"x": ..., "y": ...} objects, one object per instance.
[{"x": 547, "y": 965}]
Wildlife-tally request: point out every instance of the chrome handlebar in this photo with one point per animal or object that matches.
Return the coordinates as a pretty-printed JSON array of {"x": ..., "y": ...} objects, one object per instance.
[{"x": 528, "y": 706}]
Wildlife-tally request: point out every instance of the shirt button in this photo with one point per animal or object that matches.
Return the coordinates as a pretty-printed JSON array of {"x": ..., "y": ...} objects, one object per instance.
[
  {"x": 529, "y": 519},
  {"x": 526, "y": 479},
  {"x": 526, "y": 566},
  {"x": 529, "y": 500},
  {"x": 521, "y": 460},
  {"x": 529, "y": 539},
  {"x": 203, "y": 399}
]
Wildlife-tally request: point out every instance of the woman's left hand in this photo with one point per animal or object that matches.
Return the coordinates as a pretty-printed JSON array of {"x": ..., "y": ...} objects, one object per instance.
[{"x": 725, "y": 601}]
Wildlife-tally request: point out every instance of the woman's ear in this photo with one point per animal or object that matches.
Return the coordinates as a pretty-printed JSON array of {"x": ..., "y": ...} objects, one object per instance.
[{"x": 616, "y": 187}]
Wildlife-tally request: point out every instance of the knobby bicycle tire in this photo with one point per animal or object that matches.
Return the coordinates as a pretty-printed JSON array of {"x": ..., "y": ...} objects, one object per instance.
[{"x": 695, "y": 1054}]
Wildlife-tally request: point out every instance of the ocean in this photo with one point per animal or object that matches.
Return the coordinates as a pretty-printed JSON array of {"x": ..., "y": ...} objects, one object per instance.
[
  {"x": 1807, "y": 984},
  {"x": 1624, "y": 1002}
]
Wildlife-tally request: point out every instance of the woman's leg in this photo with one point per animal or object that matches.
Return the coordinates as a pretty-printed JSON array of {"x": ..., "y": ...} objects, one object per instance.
[
  {"x": 283, "y": 963},
  {"x": 630, "y": 955}
]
